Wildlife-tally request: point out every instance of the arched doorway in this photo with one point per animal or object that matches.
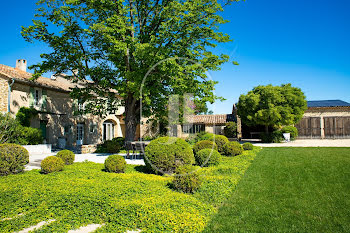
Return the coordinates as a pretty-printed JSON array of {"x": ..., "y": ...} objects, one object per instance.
[{"x": 108, "y": 130}]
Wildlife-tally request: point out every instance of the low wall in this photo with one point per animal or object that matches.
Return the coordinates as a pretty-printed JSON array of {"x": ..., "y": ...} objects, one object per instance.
[
  {"x": 38, "y": 149},
  {"x": 86, "y": 149}
]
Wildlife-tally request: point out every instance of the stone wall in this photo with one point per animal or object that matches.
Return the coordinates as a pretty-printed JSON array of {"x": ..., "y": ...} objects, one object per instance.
[{"x": 3, "y": 94}]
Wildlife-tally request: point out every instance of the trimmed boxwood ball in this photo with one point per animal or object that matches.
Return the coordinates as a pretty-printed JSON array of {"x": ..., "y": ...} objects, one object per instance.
[
  {"x": 207, "y": 157},
  {"x": 233, "y": 149},
  {"x": 204, "y": 145},
  {"x": 12, "y": 158},
  {"x": 115, "y": 163},
  {"x": 67, "y": 156},
  {"x": 186, "y": 179},
  {"x": 52, "y": 164},
  {"x": 248, "y": 146},
  {"x": 220, "y": 141},
  {"x": 166, "y": 154}
]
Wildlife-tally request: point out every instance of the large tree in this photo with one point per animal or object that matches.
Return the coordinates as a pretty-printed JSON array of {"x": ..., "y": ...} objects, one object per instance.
[
  {"x": 272, "y": 106},
  {"x": 116, "y": 43}
]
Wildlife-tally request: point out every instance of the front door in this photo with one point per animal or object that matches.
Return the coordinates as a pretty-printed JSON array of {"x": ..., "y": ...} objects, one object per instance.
[
  {"x": 80, "y": 134},
  {"x": 43, "y": 129}
]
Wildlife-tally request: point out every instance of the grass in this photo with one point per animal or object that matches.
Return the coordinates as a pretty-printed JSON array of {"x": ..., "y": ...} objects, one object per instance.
[
  {"x": 84, "y": 194},
  {"x": 290, "y": 190}
]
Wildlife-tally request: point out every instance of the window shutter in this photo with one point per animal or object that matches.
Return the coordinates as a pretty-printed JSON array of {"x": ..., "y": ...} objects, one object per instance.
[
  {"x": 31, "y": 97},
  {"x": 44, "y": 98}
]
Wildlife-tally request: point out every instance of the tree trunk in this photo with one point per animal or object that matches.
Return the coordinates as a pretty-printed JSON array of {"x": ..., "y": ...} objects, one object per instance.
[{"x": 132, "y": 118}]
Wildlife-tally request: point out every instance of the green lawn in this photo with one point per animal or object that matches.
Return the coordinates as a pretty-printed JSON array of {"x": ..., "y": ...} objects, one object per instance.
[
  {"x": 83, "y": 194},
  {"x": 290, "y": 190}
]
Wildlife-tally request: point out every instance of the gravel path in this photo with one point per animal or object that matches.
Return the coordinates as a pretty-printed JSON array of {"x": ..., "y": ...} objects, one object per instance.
[
  {"x": 35, "y": 160},
  {"x": 306, "y": 143}
]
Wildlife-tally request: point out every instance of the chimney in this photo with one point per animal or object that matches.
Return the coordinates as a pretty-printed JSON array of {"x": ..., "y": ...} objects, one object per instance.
[{"x": 21, "y": 64}]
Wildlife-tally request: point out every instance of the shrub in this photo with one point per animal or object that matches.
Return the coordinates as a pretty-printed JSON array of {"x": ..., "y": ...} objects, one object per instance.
[
  {"x": 187, "y": 179},
  {"x": 67, "y": 156},
  {"x": 233, "y": 149},
  {"x": 203, "y": 145},
  {"x": 120, "y": 141},
  {"x": 166, "y": 154},
  {"x": 115, "y": 163},
  {"x": 220, "y": 141},
  {"x": 24, "y": 115},
  {"x": 204, "y": 136},
  {"x": 275, "y": 137},
  {"x": 248, "y": 146},
  {"x": 292, "y": 130},
  {"x": 9, "y": 129},
  {"x": 230, "y": 130},
  {"x": 12, "y": 158},
  {"x": 30, "y": 136},
  {"x": 207, "y": 157},
  {"x": 52, "y": 164}
]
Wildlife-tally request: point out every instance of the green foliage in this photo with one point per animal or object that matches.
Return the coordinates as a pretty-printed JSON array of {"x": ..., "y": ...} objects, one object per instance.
[
  {"x": 207, "y": 157},
  {"x": 186, "y": 179},
  {"x": 272, "y": 106},
  {"x": 24, "y": 115},
  {"x": 122, "y": 201},
  {"x": 233, "y": 149},
  {"x": 272, "y": 137},
  {"x": 220, "y": 141},
  {"x": 248, "y": 146},
  {"x": 12, "y": 132},
  {"x": 230, "y": 129},
  {"x": 111, "y": 146},
  {"x": 166, "y": 154},
  {"x": 194, "y": 138},
  {"x": 116, "y": 42},
  {"x": 51, "y": 164},
  {"x": 203, "y": 145},
  {"x": 9, "y": 129},
  {"x": 120, "y": 141},
  {"x": 29, "y": 136},
  {"x": 12, "y": 158},
  {"x": 292, "y": 130},
  {"x": 115, "y": 163},
  {"x": 67, "y": 156}
]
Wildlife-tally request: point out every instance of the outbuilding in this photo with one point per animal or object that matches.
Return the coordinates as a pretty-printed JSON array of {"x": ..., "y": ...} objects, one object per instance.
[{"x": 325, "y": 119}]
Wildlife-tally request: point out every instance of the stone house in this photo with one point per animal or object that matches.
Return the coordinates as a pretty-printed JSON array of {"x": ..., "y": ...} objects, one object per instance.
[
  {"x": 60, "y": 126},
  {"x": 214, "y": 123},
  {"x": 325, "y": 119}
]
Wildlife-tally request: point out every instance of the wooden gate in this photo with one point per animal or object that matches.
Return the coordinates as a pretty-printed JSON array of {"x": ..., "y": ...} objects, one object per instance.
[
  {"x": 309, "y": 127},
  {"x": 337, "y": 127}
]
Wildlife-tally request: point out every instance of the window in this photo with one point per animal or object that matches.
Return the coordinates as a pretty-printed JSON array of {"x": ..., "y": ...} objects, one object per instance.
[
  {"x": 193, "y": 129},
  {"x": 93, "y": 128},
  {"x": 36, "y": 98}
]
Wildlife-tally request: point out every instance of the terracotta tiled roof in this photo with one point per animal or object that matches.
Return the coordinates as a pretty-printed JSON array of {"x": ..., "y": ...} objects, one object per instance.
[
  {"x": 23, "y": 76},
  {"x": 210, "y": 119}
]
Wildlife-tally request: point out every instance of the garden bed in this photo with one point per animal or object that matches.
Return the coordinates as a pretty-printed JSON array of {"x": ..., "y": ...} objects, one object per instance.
[{"x": 84, "y": 194}]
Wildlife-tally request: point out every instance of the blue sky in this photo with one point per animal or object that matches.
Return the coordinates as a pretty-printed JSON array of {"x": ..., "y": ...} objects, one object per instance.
[{"x": 306, "y": 43}]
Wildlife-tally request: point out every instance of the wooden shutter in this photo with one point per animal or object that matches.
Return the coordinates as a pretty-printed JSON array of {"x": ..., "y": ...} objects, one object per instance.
[
  {"x": 44, "y": 98},
  {"x": 31, "y": 97}
]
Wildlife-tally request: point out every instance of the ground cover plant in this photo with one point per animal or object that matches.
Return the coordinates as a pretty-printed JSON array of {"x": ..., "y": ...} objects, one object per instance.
[
  {"x": 84, "y": 193},
  {"x": 290, "y": 190}
]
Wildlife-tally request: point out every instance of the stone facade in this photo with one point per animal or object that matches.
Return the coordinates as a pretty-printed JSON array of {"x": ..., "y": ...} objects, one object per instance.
[
  {"x": 56, "y": 111},
  {"x": 3, "y": 93}
]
